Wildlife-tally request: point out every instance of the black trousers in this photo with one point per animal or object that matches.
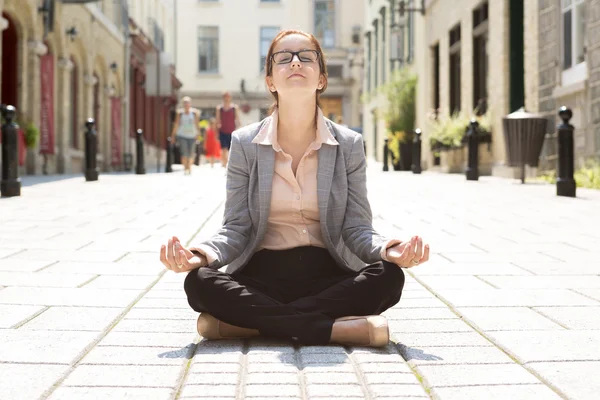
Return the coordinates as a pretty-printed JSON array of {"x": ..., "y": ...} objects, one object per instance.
[{"x": 296, "y": 293}]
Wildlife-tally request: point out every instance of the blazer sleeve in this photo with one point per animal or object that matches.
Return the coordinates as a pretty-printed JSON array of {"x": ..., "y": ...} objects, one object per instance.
[
  {"x": 357, "y": 229},
  {"x": 233, "y": 237}
]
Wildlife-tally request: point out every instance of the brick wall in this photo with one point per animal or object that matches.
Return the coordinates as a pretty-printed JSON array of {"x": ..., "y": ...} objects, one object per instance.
[{"x": 548, "y": 62}]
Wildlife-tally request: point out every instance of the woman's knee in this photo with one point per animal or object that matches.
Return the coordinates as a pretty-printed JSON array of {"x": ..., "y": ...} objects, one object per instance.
[
  {"x": 390, "y": 276},
  {"x": 197, "y": 286}
]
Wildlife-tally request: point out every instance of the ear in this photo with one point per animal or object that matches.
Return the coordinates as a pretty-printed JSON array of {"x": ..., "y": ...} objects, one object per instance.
[
  {"x": 321, "y": 84},
  {"x": 270, "y": 85}
]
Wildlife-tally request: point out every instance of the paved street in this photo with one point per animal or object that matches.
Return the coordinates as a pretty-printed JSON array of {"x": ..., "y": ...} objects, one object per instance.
[{"x": 508, "y": 307}]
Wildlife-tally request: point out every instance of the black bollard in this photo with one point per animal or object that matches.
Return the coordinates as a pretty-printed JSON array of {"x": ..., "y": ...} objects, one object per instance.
[
  {"x": 565, "y": 184},
  {"x": 472, "y": 170},
  {"x": 416, "y": 156},
  {"x": 386, "y": 152},
  {"x": 91, "y": 149},
  {"x": 140, "y": 169},
  {"x": 169, "y": 166},
  {"x": 10, "y": 186}
]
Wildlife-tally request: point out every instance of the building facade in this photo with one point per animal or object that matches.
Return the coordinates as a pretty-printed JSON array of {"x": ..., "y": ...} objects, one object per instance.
[
  {"x": 487, "y": 57},
  {"x": 222, "y": 44},
  {"x": 392, "y": 42},
  {"x": 564, "y": 69},
  {"x": 63, "y": 63}
]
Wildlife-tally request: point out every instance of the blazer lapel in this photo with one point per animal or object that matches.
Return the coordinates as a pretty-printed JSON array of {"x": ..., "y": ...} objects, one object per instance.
[
  {"x": 327, "y": 157},
  {"x": 266, "y": 166}
]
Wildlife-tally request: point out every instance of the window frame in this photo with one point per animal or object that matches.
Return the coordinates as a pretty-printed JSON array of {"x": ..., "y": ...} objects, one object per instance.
[
  {"x": 575, "y": 71},
  {"x": 334, "y": 22},
  {"x": 262, "y": 59},
  {"x": 216, "y": 69}
]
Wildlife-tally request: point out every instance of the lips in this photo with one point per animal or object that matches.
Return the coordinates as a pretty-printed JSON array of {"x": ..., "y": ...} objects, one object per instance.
[{"x": 296, "y": 75}]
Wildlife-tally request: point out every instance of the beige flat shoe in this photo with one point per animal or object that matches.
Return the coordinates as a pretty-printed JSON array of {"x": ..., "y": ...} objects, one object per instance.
[
  {"x": 370, "y": 330},
  {"x": 212, "y": 329}
]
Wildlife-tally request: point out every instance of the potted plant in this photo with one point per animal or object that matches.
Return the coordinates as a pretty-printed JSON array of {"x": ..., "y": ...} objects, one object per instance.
[
  {"x": 400, "y": 116},
  {"x": 32, "y": 136}
]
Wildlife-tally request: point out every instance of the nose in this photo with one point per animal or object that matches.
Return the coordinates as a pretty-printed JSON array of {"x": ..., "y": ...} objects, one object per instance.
[{"x": 295, "y": 62}]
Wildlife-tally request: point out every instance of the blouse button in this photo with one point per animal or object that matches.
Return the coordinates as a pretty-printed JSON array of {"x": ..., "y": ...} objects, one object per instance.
[{"x": 303, "y": 230}]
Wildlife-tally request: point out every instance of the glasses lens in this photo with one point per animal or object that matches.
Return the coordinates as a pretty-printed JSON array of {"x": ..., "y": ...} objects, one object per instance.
[
  {"x": 282, "y": 57},
  {"x": 307, "y": 56}
]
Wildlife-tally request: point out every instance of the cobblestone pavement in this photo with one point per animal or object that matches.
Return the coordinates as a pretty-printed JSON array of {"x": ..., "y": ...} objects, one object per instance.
[{"x": 508, "y": 307}]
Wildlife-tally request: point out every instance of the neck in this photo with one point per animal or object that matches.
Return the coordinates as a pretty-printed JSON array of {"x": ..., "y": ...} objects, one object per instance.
[{"x": 297, "y": 120}]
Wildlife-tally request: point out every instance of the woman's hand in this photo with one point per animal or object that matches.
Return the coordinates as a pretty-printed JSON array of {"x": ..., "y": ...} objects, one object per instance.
[
  {"x": 179, "y": 259},
  {"x": 409, "y": 254}
]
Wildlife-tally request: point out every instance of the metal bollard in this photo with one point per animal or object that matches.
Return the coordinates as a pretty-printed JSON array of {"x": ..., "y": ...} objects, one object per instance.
[
  {"x": 91, "y": 145},
  {"x": 565, "y": 184},
  {"x": 416, "y": 156},
  {"x": 10, "y": 186},
  {"x": 140, "y": 169},
  {"x": 169, "y": 166},
  {"x": 472, "y": 170},
  {"x": 386, "y": 152}
]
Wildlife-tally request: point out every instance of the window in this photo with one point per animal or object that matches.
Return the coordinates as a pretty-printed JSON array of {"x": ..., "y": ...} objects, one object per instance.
[
  {"x": 267, "y": 34},
  {"x": 325, "y": 22},
  {"x": 383, "y": 40},
  {"x": 455, "y": 69},
  {"x": 73, "y": 109},
  {"x": 335, "y": 71},
  {"x": 376, "y": 52},
  {"x": 573, "y": 19},
  {"x": 368, "y": 61},
  {"x": 480, "y": 58},
  {"x": 208, "y": 49},
  {"x": 436, "y": 79}
]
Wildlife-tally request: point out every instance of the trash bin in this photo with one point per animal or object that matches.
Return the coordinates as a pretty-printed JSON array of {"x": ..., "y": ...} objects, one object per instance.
[{"x": 524, "y": 135}]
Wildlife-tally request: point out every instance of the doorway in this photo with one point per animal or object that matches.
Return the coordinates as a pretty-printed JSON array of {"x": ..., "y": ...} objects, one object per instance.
[{"x": 10, "y": 62}]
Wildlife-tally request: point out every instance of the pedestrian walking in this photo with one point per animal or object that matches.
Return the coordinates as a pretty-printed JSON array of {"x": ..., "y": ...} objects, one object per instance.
[
  {"x": 185, "y": 132},
  {"x": 212, "y": 148},
  {"x": 303, "y": 260},
  {"x": 227, "y": 121}
]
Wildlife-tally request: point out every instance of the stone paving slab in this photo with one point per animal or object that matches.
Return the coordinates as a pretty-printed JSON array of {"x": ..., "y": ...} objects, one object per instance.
[{"x": 507, "y": 307}]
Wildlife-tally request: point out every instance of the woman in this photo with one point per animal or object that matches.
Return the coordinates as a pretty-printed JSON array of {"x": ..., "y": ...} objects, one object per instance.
[
  {"x": 227, "y": 121},
  {"x": 185, "y": 131},
  {"x": 297, "y": 231}
]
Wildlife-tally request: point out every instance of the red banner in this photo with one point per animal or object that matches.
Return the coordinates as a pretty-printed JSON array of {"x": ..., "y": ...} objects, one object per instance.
[
  {"x": 116, "y": 136},
  {"x": 47, "y": 88}
]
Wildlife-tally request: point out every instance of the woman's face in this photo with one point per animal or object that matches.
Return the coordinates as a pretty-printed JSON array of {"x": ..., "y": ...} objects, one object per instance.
[{"x": 297, "y": 74}]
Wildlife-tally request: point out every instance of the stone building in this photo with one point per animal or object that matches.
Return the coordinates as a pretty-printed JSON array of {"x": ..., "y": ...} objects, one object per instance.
[
  {"x": 563, "y": 68},
  {"x": 222, "y": 46},
  {"x": 392, "y": 42},
  {"x": 536, "y": 54},
  {"x": 61, "y": 64}
]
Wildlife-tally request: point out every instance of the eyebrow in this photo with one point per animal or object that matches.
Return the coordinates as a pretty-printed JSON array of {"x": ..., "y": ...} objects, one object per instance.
[{"x": 288, "y": 49}]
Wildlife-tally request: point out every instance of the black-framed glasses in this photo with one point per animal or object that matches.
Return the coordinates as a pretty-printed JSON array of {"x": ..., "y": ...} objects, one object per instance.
[{"x": 285, "y": 57}]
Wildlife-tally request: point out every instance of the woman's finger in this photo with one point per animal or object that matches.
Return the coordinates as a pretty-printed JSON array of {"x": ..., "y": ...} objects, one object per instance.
[
  {"x": 419, "y": 249},
  {"x": 425, "y": 257},
  {"x": 178, "y": 255},
  {"x": 170, "y": 254},
  {"x": 163, "y": 256}
]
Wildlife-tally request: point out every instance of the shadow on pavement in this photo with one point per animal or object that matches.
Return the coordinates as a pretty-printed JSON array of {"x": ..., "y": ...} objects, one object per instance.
[{"x": 411, "y": 353}]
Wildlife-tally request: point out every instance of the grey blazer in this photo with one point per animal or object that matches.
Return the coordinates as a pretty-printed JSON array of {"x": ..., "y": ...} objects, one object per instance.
[{"x": 345, "y": 213}]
